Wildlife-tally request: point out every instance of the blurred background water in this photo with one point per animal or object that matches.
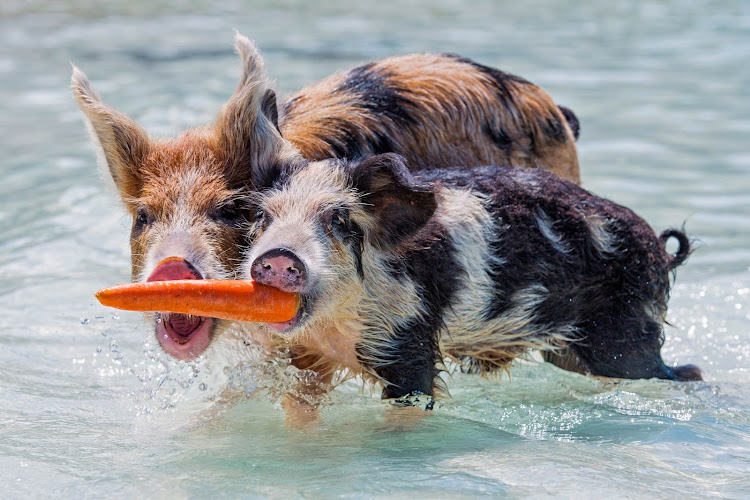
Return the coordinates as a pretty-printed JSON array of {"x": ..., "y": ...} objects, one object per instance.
[{"x": 89, "y": 408}]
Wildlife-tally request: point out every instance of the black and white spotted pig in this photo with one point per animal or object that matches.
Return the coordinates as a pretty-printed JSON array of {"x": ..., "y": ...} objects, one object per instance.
[{"x": 398, "y": 270}]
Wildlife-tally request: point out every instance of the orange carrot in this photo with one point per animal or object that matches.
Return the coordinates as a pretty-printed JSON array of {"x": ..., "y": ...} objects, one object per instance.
[{"x": 226, "y": 299}]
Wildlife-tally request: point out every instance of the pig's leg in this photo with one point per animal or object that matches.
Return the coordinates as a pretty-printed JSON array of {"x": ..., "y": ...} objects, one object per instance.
[
  {"x": 301, "y": 405},
  {"x": 406, "y": 359}
]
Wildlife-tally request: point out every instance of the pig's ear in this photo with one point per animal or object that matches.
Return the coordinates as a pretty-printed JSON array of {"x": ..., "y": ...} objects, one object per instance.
[
  {"x": 248, "y": 124},
  {"x": 399, "y": 203},
  {"x": 122, "y": 143},
  {"x": 254, "y": 76}
]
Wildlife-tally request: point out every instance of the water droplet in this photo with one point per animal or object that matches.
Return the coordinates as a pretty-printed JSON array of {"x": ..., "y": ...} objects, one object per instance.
[
  {"x": 84, "y": 321},
  {"x": 202, "y": 386}
]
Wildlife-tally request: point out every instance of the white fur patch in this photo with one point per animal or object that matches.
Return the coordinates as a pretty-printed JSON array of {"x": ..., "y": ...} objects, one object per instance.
[
  {"x": 468, "y": 334},
  {"x": 601, "y": 236},
  {"x": 547, "y": 226}
]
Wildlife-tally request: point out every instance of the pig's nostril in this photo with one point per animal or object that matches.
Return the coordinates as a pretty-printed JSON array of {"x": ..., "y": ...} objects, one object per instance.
[{"x": 280, "y": 268}]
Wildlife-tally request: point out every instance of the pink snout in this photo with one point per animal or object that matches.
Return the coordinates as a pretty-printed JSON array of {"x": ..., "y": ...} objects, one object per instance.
[
  {"x": 174, "y": 268},
  {"x": 280, "y": 268}
]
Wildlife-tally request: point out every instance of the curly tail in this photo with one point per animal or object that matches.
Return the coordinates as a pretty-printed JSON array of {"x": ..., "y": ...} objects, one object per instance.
[{"x": 683, "y": 251}]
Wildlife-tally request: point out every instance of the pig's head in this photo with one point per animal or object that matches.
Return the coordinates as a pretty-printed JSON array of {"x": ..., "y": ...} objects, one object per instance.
[
  {"x": 186, "y": 194},
  {"x": 329, "y": 231}
]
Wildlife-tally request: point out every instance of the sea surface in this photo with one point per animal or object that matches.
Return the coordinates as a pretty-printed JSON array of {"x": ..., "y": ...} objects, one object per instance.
[{"x": 89, "y": 407}]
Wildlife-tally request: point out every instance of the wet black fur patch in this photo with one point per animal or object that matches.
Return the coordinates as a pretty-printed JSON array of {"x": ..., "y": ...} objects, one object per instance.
[
  {"x": 416, "y": 248},
  {"x": 429, "y": 261},
  {"x": 603, "y": 295}
]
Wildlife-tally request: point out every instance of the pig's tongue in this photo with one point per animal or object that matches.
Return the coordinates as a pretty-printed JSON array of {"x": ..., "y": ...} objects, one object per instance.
[{"x": 182, "y": 326}]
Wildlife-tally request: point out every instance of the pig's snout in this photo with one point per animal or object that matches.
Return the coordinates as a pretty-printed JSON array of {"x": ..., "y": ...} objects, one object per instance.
[{"x": 280, "y": 268}]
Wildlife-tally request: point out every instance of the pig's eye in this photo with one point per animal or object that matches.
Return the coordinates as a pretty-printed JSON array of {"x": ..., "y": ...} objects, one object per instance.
[
  {"x": 228, "y": 213},
  {"x": 339, "y": 218},
  {"x": 260, "y": 218},
  {"x": 142, "y": 219}
]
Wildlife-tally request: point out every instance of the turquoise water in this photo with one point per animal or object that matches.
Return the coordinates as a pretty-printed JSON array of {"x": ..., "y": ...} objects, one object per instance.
[{"x": 90, "y": 408}]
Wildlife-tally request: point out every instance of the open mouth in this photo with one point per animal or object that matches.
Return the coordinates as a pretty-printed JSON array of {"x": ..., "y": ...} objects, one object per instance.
[{"x": 182, "y": 336}]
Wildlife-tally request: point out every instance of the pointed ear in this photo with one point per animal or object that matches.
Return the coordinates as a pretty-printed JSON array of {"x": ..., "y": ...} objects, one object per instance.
[
  {"x": 248, "y": 123},
  {"x": 254, "y": 75},
  {"x": 123, "y": 144},
  {"x": 400, "y": 204}
]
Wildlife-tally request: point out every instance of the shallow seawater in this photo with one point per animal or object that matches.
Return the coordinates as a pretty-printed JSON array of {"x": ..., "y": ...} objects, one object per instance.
[{"x": 88, "y": 405}]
